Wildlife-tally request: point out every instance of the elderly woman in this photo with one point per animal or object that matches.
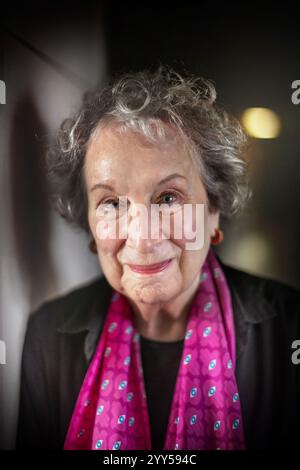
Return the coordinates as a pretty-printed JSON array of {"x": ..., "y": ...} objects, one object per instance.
[{"x": 171, "y": 349}]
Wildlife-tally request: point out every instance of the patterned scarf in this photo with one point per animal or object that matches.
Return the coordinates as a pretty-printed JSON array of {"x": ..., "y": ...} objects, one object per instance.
[{"x": 111, "y": 410}]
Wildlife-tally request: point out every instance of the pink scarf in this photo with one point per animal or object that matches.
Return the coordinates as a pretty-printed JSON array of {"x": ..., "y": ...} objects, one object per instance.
[{"x": 111, "y": 410}]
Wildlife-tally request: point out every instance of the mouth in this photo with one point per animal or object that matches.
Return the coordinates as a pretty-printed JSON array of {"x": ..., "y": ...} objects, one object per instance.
[{"x": 150, "y": 268}]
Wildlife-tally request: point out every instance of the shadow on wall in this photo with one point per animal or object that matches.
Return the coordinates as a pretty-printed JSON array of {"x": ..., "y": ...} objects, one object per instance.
[{"x": 30, "y": 203}]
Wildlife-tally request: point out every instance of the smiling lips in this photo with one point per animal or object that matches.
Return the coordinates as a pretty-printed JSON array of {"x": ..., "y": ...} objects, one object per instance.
[{"x": 150, "y": 268}]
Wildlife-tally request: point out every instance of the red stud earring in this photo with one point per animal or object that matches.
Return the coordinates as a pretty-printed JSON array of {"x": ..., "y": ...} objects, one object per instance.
[
  {"x": 218, "y": 237},
  {"x": 92, "y": 246}
]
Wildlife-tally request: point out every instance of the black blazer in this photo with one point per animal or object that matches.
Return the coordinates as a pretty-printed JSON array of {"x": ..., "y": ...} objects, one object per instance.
[{"x": 62, "y": 336}]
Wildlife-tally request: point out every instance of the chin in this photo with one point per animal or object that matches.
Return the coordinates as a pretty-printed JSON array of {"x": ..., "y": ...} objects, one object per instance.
[{"x": 152, "y": 294}]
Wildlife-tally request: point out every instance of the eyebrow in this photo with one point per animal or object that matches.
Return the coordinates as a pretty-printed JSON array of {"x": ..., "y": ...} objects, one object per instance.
[{"x": 164, "y": 180}]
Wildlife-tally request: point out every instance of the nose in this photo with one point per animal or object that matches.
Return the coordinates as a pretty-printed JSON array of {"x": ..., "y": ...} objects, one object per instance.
[{"x": 144, "y": 229}]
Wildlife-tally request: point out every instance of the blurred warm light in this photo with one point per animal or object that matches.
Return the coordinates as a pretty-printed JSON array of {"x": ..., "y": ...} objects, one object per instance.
[{"x": 262, "y": 123}]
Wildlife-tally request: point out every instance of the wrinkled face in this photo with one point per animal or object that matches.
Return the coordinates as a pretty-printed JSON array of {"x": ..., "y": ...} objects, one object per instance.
[{"x": 124, "y": 167}]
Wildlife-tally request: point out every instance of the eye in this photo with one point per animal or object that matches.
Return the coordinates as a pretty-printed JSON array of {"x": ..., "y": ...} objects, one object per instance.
[
  {"x": 112, "y": 207},
  {"x": 169, "y": 197},
  {"x": 109, "y": 202}
]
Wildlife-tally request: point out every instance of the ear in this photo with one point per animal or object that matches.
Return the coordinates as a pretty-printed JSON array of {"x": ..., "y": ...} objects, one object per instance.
[{"x": 213, "y": 221}]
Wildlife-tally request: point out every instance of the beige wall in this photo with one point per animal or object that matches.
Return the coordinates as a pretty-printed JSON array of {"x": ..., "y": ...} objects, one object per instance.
[{"x": 40, "y": 255}]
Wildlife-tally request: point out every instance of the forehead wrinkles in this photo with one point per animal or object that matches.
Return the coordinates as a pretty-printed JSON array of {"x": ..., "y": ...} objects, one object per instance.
[{"x": 129, "y": 156}]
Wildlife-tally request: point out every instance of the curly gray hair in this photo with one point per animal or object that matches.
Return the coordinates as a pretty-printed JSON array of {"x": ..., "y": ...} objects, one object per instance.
[{"x": 144, "y": 102}]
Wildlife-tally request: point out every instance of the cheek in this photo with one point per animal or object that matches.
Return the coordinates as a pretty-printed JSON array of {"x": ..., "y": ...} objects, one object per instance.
[
  {"x": 108, "y": 248},
  {"x": 193, "y": 243},
  {"x": 190, "y": 265},
  {"x": 189, "y": 228},
  {"x": 107, "y": 256},
  {"x": 105, "y": 237}
]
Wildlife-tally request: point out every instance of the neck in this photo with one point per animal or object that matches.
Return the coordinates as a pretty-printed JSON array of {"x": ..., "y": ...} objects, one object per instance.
[{"x": 166, "y": 322}]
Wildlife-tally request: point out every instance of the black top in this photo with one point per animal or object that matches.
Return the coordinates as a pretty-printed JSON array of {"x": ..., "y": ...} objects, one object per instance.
[
  {"x": 62, "y": 336},
  {"x": 160, "y": 361}
]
